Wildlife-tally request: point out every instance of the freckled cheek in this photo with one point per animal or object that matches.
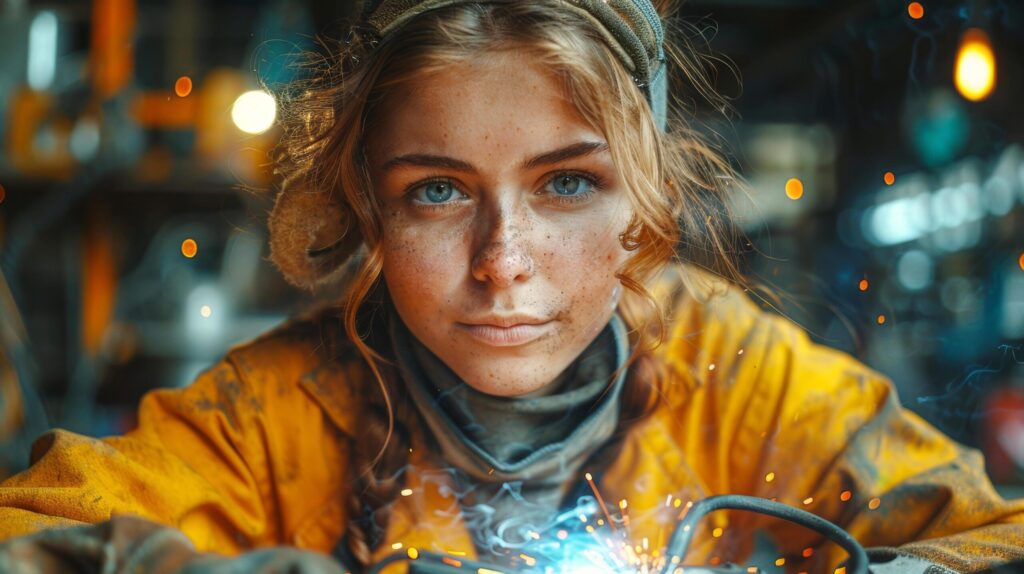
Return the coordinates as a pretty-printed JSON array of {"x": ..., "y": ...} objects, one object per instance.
[
  {"x": 415, "y": 266},
  {"x": 583, "y": 268},
  {"x": 578, "y": 253}
]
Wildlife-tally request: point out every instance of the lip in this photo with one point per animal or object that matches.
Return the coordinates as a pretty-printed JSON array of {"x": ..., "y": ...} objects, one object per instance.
[
  {"x": 507, "y": 320},
  {"x": 506, "y": 332}
]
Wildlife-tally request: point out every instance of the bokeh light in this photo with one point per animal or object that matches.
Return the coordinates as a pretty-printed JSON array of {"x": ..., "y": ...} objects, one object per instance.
[
  {"x": 1019, "y": 261},
  {"x": 183, "y": 86},
  {"x": 915, "y": 270},
  {"x": 915, "y": 10},
  {"x": 863, "y": 286},
  {"x": 889, "y": 178},
  {"x": 85, "y": 139},
  {"x": 874, "y": 503},
  {"x": 975, "y": 72},
  {"x": 254, "y": 112},
  {"x": 205, "y": 311},
  {"x": 43, "y": 38},
  {"x": 881, "y": 319},
  {"x": 189, "y": 248},
  {"x": 794, "y": 188}
]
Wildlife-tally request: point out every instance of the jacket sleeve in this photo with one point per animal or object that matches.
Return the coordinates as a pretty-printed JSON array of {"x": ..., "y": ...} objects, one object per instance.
[
  {"x": 191, "y": 463},
  {"x": 836, "y": 441}
]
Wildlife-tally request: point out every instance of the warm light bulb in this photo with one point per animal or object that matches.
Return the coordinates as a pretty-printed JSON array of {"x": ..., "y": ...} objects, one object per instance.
[
  {"x": 975, "y": 73},
  {"x": 254, "y": 112}
]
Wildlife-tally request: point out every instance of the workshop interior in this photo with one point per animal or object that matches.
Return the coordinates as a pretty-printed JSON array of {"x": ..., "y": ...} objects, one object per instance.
[{"x": 882, "y": 143}]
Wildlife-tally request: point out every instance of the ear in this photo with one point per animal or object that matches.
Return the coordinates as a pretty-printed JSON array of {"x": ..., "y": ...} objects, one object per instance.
[{"x": 312, "y": 235}]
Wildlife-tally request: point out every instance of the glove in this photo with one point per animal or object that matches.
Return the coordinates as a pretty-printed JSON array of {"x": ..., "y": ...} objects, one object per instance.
[
  {"x": 892, "y": 561},
  {"x": 128, "y": 544}
]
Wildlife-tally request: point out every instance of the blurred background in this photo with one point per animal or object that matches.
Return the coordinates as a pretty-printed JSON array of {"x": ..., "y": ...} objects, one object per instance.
[{"x": 882, "y": 140}]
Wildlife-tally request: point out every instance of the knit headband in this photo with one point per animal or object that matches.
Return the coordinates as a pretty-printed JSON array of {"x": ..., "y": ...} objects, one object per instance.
[{"x": 632, "y": 29}]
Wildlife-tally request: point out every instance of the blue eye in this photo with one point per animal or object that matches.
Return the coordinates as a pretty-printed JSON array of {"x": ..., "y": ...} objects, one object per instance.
[
  {"x": 436, "y": 192},
  {"x": 571, "y": 185},
  {"x": 564, "y": 188}
]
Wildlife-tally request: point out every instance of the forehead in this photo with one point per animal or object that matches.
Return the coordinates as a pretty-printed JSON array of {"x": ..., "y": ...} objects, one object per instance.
[{"x": 498, "y": 104}]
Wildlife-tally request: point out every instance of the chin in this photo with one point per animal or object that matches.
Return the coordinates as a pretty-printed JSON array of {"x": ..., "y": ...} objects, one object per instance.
[{"x": 506, "y": 387}]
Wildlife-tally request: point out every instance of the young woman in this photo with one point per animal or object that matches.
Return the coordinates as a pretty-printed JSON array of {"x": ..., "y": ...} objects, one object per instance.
[{"x": 539, "y": 319}]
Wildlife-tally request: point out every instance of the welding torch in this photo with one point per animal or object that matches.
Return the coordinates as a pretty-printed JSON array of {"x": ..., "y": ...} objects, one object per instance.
[{"x": 435, "y": 563}]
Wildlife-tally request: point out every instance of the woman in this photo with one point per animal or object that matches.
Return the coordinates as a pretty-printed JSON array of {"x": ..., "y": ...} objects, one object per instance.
[{"x": 501, "y": 190}]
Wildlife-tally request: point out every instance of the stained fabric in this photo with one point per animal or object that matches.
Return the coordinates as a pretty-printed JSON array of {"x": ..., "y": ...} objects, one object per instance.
[
  {"x": 254, "y": 454},
  {"x": 129, "y": 544}
]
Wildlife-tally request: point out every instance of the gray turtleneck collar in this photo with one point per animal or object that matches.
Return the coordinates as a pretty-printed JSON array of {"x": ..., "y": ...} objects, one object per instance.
[{"x": 516, "y": 457}]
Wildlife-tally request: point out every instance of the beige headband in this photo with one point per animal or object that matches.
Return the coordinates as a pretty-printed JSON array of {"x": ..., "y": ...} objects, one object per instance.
[{"x": 632, "y": 29}]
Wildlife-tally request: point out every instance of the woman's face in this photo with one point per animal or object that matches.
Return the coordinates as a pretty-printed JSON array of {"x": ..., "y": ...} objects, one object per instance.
[{"x": 501, "y": 215}]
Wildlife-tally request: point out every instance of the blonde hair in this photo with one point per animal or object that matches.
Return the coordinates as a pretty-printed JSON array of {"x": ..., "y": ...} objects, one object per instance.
[{"x": 326, "y": 222}]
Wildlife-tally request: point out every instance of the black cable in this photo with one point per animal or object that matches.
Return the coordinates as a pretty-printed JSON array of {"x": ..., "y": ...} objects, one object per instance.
[{"x": 679, "y": 543}]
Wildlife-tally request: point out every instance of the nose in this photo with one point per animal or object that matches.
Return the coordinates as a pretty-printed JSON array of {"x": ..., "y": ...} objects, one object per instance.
[{"x": 505, "y": 257}]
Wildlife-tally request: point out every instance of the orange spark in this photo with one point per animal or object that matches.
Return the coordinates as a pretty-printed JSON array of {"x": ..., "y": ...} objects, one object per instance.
[{"x": 600, "y": 500}]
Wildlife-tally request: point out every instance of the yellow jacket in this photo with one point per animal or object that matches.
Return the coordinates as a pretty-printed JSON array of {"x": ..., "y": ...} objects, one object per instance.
[{"x": 255, "y": 453}]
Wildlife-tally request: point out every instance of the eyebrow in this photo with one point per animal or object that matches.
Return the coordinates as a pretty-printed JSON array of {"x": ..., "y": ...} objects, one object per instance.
[{"x": 578, "y": 149}]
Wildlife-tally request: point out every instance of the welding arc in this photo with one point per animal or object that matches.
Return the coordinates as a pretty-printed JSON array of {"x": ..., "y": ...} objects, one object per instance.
[{"x": 679, "y": 543}]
